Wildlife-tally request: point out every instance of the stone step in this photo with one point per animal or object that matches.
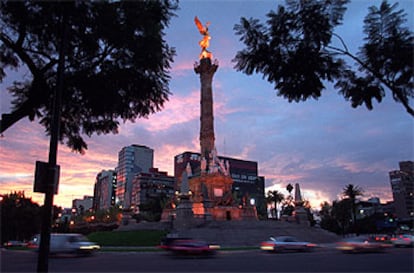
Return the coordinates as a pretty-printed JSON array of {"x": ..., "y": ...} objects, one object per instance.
[{"x": 251, "y": 233}]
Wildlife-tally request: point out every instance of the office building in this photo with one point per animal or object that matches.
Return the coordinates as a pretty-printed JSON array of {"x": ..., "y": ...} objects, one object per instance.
[
  {"x": 104, "y": 190},
  {"x": 153, "y": 184},
  {"x": 402, "y": 185},
  {"x": 132, "y": 160}
]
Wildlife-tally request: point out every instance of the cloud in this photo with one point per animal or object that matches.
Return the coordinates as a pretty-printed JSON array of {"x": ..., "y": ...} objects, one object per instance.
[{"x": 180, "y": 109}]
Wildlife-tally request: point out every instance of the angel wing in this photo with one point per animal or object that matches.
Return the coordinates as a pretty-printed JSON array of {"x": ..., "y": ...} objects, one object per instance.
[{"x": 200, "y": 26}]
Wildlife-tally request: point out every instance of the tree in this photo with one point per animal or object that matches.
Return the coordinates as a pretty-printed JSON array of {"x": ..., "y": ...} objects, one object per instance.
[
  {"x": 19, "y": 217},
  {"x": 340, "y": 212},
  {"x": 116, "y": 65},
  {"x": 274, "y": 198},
  {"x": 298, "y": 51},
  {"x": 327, "y": 220},
  {"x": 352, "y": 192},
  {"x": 288, "y": 204},
  {"x": 287, "y": 208},
  {"x": 289, "y": 188}
]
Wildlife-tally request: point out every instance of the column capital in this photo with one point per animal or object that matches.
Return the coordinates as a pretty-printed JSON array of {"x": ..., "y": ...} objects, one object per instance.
[{"x": 206, "y": 66}]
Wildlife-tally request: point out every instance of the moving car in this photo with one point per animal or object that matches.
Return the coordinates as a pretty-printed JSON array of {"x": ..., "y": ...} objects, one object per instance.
[
  {"x": 73, "y": 243},
  {"x": 188, "y": 246},
  {"x": 286, "y": 243},
  {"x": 14, "y": 243},
  {"x": 403, "y": 240},
  {"x": 362, "y": 244}
]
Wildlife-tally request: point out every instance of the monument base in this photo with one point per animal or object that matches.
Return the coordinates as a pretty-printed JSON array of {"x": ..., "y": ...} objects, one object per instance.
[
  {"x": 301, "y": 216},
  {"x": 232, "y": 213},
  {"x": 184, "y": 214}
]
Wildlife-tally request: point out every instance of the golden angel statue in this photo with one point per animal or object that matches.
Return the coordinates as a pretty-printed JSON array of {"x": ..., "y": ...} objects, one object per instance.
[{"x": 205, "y": 42}]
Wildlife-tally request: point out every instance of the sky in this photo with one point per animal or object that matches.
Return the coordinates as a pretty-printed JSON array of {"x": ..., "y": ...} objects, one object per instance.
[{"x": 321, "y": 144}]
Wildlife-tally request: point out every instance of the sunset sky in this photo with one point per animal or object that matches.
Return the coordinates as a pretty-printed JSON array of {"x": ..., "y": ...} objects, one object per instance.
[{"x": 321, "y": 144}]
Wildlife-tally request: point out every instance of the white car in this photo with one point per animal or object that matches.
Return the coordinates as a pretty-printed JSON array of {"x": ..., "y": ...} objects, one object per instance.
[
  {"x": 403, "y": 240},
  {"x": 67, "y": 243},
  {"x": 286, "y": 243}
]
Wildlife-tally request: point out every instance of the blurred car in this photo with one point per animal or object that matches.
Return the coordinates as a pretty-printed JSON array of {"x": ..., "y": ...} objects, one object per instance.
[
  {"x": 362, "y": 244},
  {"x": 286, "y": 243},
  {"x": 72, "y": 243},
  {"x": 381, "y": 238},
  {"x": 403, "y": 240},
  {"x": 188, "y": 246},
  {"x": 167, "y": 241},
  {"x": 14, "y": 243}
]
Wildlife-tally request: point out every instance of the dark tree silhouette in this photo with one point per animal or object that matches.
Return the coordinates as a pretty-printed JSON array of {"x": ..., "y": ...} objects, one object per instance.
[
  {"x": 20, "y": 217},
  {"x": 340, "y": 212},
  {"x": 116, "y": 62},
  {"x": 352, "y": 192},
  {"x": 289, "y": 188},
  {"x": 298, "y": 51},
  {"x": 327, "y": 220},
  {"x": 274, "y": 198}
]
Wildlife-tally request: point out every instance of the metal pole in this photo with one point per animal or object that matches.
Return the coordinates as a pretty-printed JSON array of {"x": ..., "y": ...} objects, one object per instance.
[{"x": 44, "y": 247}]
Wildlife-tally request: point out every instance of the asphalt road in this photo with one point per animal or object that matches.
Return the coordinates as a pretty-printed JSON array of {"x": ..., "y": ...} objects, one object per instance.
[{"x": 327, "y": 260}]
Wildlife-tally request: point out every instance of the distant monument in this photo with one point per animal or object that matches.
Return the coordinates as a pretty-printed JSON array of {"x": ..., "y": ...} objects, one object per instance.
[
  {"x": 300, "y": 212},
  {"x": 211, "y": 188}
]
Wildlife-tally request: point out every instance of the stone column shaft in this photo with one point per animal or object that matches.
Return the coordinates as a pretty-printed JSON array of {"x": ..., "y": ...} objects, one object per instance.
[{"x": 206, "y": 70}]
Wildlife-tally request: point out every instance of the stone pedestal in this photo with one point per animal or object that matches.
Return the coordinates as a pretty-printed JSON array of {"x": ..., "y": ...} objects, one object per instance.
[
  {"x": 301, "y": 216},
  {"x": 207, "y": 207},
  {"x": 184, "y": 214}
]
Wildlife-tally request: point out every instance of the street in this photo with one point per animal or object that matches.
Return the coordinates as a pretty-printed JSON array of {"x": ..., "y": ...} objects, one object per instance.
[{"x": 326, "y": 260}]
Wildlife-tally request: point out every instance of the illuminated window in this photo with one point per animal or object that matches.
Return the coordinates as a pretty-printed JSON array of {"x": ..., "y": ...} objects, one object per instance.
[{"x": 218, "y": 192}]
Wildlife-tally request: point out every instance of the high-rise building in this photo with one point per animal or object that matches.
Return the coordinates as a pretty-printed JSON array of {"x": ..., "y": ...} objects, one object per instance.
[
  {"x": 151, "y": 185},
  {"x": 132, "y": 160},
  {"x": 104, "y": 190},
  {"x": 402, "y": 185}
]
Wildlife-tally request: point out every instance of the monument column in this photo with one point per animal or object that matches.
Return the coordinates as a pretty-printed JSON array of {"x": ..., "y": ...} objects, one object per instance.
[{"x": 206, "y": 70}]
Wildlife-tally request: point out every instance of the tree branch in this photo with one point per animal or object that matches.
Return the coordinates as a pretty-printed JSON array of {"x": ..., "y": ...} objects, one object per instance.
[
  {"x": 20, "y": 52},
  {"x": 395, "y": 91},
  {"x": 8, "y": 119}
]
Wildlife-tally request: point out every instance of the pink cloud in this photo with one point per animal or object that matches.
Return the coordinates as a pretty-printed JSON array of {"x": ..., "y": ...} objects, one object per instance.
[{"x": 180, "y": 109}]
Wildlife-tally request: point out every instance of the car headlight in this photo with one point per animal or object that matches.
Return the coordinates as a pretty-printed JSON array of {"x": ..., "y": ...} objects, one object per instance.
[
  {"x": 345, "y": 247},
  {"x": 90, "y": 247},
  {"x": 214, "y": 246},
  {"x": 267, "y": 247}
]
